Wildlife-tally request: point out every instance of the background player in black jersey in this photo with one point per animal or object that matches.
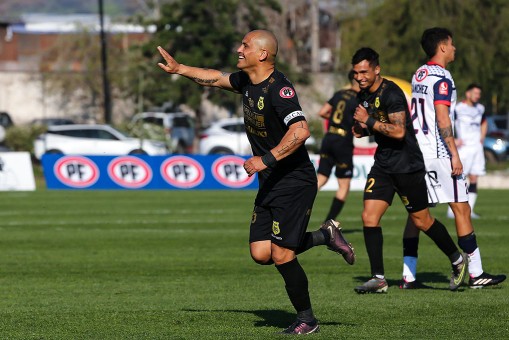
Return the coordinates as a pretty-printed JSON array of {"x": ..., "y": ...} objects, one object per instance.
[
  {"x": 337, "y": 144},
  {"x": 398, "y": 168},
  {"x": 276, "y": 129}
]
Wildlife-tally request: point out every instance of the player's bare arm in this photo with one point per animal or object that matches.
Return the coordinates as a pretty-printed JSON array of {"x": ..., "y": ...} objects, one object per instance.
[
  {"x": 201, "y": 76},
  {"x": 295, "y": 136},
  {"x": 395, "y": 128},
  {"x": 325, "y": 111},
  {"x": 484, "y": 130},
  {"x": 446, "y": 132}
]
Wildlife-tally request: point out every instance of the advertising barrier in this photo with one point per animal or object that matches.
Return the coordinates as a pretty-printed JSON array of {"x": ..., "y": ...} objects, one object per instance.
[
  {"x": 166, "y": 172},
  {"x": 16, "y": 172},
  {"x": 146, "y": 172}
]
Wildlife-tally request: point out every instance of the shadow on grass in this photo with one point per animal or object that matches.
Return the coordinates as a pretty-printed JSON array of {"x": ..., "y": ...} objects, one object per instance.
[
  {"x": 350, "y": 231},
  {"x": 424, "y": 277},
  {"x": 269, "y": 318}
]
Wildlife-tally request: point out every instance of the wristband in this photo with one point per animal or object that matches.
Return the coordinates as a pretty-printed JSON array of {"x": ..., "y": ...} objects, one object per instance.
[
  {"x": 370, "y": 123},
  {"x": 269, "y": 160}
]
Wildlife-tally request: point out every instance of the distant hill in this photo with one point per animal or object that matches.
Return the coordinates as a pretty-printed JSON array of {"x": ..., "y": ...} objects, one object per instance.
[{"x": 115, "y": 8}]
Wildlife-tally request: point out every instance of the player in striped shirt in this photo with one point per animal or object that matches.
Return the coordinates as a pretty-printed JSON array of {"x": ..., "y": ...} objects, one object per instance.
[{"x": 433, "y": 99}]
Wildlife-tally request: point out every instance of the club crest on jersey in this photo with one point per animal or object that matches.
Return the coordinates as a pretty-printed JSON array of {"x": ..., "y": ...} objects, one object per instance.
[
  {"x": 246, "y": 94},
  {"x": 421, "y": 74},
  {"x": 265, "y": 89},
  {"x": 275, "y": 228},
  {"x": 377, "y": 102},
  {"x": 261, "y": 105},
  {"x": 287, "y": 92},
  {"x": 443, "y": 88},
  {"x": 251, "y": 102},
  {"x": 365, "y": 104}
]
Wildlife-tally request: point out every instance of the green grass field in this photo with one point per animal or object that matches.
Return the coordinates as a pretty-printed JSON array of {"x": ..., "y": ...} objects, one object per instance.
[{"x": 176, "y": 265}]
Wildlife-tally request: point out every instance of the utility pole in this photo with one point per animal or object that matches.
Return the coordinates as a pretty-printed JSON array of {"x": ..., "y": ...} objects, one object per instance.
[
  {"x": 104, "y": 67},
  {"x": 315, "y": 36}
]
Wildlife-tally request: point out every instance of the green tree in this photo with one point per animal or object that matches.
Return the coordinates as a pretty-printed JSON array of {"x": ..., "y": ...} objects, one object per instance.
[
  {"x": 481, "y": 35},
  {"x": 72, "y": 69},
  {"x": 198, "y": 33}
]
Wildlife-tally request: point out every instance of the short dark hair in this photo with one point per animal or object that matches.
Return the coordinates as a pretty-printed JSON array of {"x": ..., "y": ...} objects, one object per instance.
[
  {"x": 366, "y": 53},
  {"x": 432, "y": 37},
  {"x": 473, "y": 86},
  {"x": 351, "y": 76}
]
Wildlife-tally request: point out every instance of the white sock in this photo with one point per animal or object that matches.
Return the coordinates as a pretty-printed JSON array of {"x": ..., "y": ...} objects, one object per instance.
[
  {"x": 409, "y": 268},
  {"x": 472, "y": 197},
  {"x": 475, "y": 263}
]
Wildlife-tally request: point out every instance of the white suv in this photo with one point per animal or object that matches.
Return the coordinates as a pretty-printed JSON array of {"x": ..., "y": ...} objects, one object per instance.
[
  {"x": 225, "y": 136},
  {"x": 176, "y": 128},
  {"x": 84, "y": 139},
  {"x": 228, "y": 136}
]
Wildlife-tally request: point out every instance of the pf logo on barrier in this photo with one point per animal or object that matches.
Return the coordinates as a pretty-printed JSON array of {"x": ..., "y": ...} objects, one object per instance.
[
  {"x": 229, "y": 171},
  {"x": 76, "y": 171},
  {"x": 129, "y": 172},
  {"x": 182, "y": 172}
]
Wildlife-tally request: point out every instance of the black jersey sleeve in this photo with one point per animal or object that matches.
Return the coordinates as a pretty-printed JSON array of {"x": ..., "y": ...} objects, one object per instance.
[
  {"x": 286, "y": 104},
  {"x": 335, "y": 98},
  {"x": 395, "y": 100},
  {"x": 238, "y": 80}
]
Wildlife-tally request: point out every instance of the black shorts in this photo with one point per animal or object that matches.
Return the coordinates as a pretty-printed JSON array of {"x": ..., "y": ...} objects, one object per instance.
[
  {"x": 285, "y": 218},
  {"x": 411, "y": 188},
  {"x": 334, "y": 153}
]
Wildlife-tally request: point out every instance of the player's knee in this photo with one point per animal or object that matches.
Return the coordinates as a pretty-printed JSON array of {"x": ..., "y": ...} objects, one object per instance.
[
  {"x": 422, "y": 220},
  {"x": 369, "y": 219},
  {"x": 282, "y": 255},
  {"x": 461, "y": 209},
  {"x": 261, "y": 257}
]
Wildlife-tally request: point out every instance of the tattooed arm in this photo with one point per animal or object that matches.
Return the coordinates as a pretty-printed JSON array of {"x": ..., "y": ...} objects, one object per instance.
[
  {"x": 295, "y": 136},
  {"x": 201, "y": 76},
  {"x": 445, "y": 131},
  {"x": 395, "y": 128}
]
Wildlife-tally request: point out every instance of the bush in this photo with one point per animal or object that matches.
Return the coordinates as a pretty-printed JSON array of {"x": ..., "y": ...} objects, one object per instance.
[{"x": 21, "y": 138}]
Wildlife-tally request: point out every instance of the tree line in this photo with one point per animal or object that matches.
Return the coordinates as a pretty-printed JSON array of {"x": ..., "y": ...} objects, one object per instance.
[{"x": 207, "y": 33}]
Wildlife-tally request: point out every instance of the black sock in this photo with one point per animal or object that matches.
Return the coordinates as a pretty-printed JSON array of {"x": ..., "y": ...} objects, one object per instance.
[
  {"x": 316, "y": 238},
  {"x": 296, "y": 284},
  {"x": 374, "y": 241},
  {"x": 410, "y": 246},
  {"x": 468, "y": 243},
  {"x": 438, "y": 233},
  {"x": 307, "y": 316},
  {"x": 472, "y": 188},
  {"x": 335, "y": 208}
]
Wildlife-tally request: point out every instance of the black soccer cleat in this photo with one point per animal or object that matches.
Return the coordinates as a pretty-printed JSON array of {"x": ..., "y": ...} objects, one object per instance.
[
  {"x": 302, "y": 328},
  {"x": 373, "y": 285},
  {"x": 337, "y": 242},
  {"x": 412, "y": 285},
  {"x": 458, "y": 273},
  {"x": 485, "y": 280}
]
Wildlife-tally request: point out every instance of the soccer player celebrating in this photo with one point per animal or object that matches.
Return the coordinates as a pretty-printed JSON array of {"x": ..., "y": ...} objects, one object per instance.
[
  {"x": 433, "y": 96},
  {"x": 276, "y": 129},
  {"x": 398, "y": 168},
  {"x": 470, "y": 131},
  {"x": 337, "y": 145}
]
